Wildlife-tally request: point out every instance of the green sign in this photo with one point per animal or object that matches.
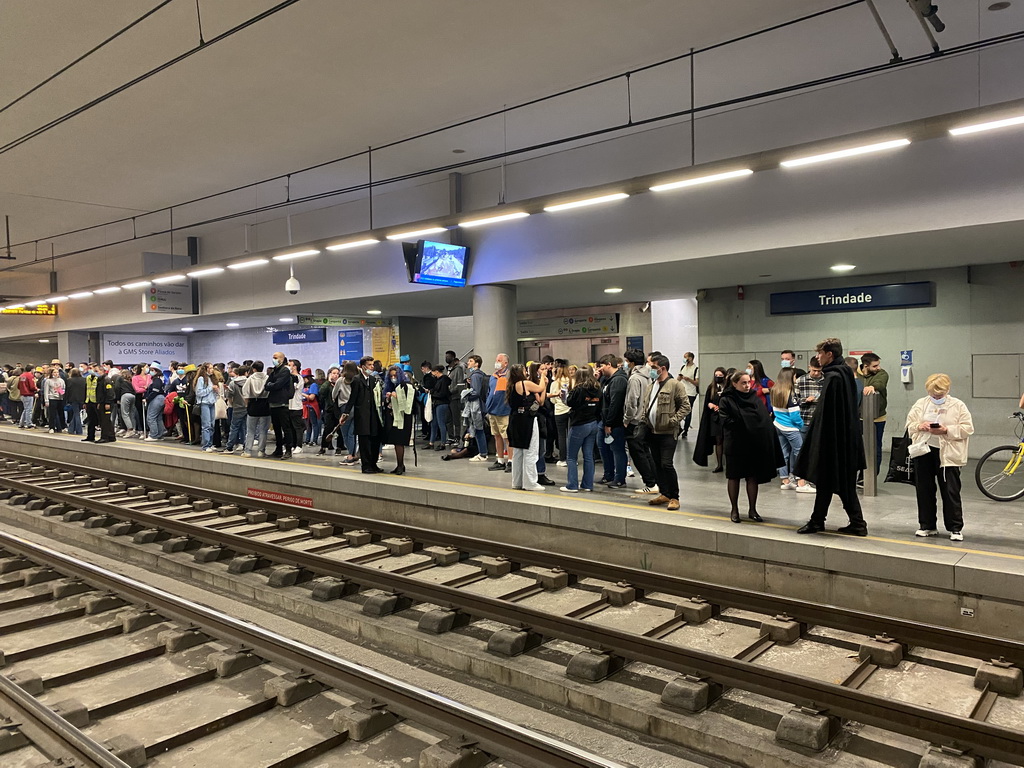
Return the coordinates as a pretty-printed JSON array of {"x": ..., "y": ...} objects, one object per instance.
[{"x": 339, "y": 320}]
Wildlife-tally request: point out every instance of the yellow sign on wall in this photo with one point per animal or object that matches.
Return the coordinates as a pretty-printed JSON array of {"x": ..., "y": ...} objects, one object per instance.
[
  {"x": 39, "y": 309},
  {"x": 384, "y": 345}
]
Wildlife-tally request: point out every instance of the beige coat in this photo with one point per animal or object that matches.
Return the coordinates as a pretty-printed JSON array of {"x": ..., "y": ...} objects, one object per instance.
[
  {"x": 959, "y": 428},
  {"x": 673, "y": 405}
]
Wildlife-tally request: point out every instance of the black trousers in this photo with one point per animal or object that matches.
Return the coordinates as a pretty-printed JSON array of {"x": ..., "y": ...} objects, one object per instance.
[
  {"x": 107, "y": 421},
  {"x": 55, "y": 415},
  {"x": 369, "y": 451},
  {"x": 686, "y": 422},
  {"x": 846, "y": 489},
  {"x": 330, "y": 425},
  {"x": 663, "y": 451},
  {"x": 562, "y": 431},
  {"x": 92, "y": 420},
  {"x": 928, "y": 474},
  {"x": 640, "y": 454},
  {"x": 282, "y": 424},
  {"x": 298, "y": 426}
]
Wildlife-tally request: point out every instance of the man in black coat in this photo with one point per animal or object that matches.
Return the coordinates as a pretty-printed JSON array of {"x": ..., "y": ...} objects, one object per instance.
[
  {"x": 280, "y": 387},
  {"x": 364, "y": 406},
  {"x": 833, "y": 450},
  {"x": 106, "y": 403}
]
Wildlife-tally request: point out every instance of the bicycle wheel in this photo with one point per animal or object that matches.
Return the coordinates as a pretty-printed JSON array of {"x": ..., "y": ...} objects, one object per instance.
[{"x": 998, "y": 475}]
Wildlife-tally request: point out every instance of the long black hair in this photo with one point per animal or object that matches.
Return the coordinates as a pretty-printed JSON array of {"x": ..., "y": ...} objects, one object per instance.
[{"x": 516, "y": 373}]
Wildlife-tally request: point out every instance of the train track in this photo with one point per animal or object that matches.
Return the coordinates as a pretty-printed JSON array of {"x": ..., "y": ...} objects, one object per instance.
[
  {"x": 390, "y": 568},
  {"x": 138, "y": 676}
]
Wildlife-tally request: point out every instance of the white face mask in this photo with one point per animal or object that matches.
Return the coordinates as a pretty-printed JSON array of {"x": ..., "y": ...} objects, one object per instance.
[
  {"x": 497, "y": 365},
  {"x": 785, "y": 363},
  {"x": 938, "y": 400},
  {"x": 749, "y": 371}
]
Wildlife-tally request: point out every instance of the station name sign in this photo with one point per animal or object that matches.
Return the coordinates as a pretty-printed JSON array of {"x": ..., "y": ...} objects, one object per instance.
[
  {"x": 307, "y": 336},
  {"x": 38, "y": 310},
  {"x": 853, "y": 299}
]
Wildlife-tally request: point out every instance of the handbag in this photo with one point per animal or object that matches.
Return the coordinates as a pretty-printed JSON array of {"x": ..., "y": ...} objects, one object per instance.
[
  {"x": 901, "y": 465},
  {"x": 220, "y": 408},
  {"x": 428, "y": 410}
]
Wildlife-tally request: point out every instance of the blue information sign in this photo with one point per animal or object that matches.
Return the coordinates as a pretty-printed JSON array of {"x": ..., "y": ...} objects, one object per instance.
[
  {"x": 350, "y": 345},
  {"x": 855, "y": 299},
  {"x": 635, "y": 342},
  {"x": 307, "y": 336}
]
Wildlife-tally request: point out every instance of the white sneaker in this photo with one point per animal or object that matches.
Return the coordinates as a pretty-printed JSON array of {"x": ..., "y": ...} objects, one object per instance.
[
  {"x": 296, "y": 449},
  {"x": 569, "y": 490},
  {"x": 788, "y": 486},
  {"x": 648, "y": 489},
  {"x": 562, "y": 464},
  {"x": 629, "y": 472},
  {"x": 957, "y": 536},
  {"x": 119, "y": 433},
  {"x": 210, "y": 449},
  {"x": 478, "y": 457},
  {"x": 924, "y": 532},
  {"x": 51, "y": 431},
  {"x": 539, "y": 487},
  {"x": 151, "y": 440}
]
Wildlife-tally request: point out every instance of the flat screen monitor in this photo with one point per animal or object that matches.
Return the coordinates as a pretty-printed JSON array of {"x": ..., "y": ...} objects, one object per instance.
[{"x": 440, "y": 264}]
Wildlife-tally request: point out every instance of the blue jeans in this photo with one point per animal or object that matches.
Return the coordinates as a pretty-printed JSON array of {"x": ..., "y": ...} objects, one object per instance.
[
  {"x": 581, "y": 436},
  {"x": 313, "y": 425},
  {"x": 791, "y": 443},
  {"x": 236, "y": 434},
  {"x": 614, "y": 455},
  {"x": 73, "y": 415},
  {"x": 348, "y": 436},
  {"x": 206, "y": 411},
  {"x": 155, "y": 417},
  {"x": 439, "y": 426},
  {"x": 28, "y": 403}
]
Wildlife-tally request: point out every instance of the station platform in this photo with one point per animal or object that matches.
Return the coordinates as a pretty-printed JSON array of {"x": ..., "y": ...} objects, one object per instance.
[{"x": 976, "y": 585}]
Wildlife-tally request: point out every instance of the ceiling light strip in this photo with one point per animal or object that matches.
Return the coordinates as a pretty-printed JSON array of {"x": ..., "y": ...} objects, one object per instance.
[
  {"x": 353, "y": 244},
  {"x": 248, "y": 264},
  {"x": 416, "y": 233},
  {"x": 701, "y": 180},
  {"x": 586, "y": 202},
  {"x": 205, "y": 272},
  {"x": 852, "y": 152},
  {"x": 494, "y": 219},
  {"x": 296, "y": 254},
  {"x": 989, "y": 126}
]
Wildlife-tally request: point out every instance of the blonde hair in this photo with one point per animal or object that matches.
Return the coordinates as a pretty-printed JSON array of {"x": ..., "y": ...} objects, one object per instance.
[
  {"x": 939, "y": 383},
  {"x": 783, "y": 389}
]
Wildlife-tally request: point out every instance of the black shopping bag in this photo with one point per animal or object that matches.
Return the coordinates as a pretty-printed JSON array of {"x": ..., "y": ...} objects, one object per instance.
[{"x": 901, "y": 465}]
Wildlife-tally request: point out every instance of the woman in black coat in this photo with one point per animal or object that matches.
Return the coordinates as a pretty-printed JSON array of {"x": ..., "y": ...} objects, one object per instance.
[
  {"x": 709, "y": 431},
  {"x": 751, "y": 447}
]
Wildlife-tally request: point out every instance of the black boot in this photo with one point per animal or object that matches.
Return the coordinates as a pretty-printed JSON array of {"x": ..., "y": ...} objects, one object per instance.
[{"x": 545, "y": 480}]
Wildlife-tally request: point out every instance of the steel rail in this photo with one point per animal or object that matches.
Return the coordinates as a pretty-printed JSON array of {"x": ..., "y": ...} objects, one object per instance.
[
  {"x": 494, "y": 735},
  {"x": 52, "y": 734},
  {"x": 911, "y": 720},
  {"x": 905, "y": 631}
]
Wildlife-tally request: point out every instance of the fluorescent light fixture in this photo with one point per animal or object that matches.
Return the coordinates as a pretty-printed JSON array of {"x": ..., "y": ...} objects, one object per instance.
[
  {"x": 80, "y": 295},
  {"x": 842, "y": 267},
  {"x": 108, "y": 289},
  {"x": 231, "y": 325},
  {"x": 416, "y": 233},
  {"x": 249, "y": 263},
  {"x": 136, "y": 284},
  {"x": 494, "y": 219},
  {"x": 586, "y": 202},
  {"x": 188, "y": 329},
  {"x": 57, "y": 299},
  {"x": 353, "y": 244},
  {"x": 296, "y": 254},
  {"x": 44, "y": 341},
  {"x": 990, "y": 126},
  {"x": 205, "y": 272},
  {"x": 852, "y": 152},
  {"x": 286, "y": 319},
  {"x": 168, "y": 279},
  {"x": 373, "y": 311},
  {"x": 613, "y": 290},
  {"x": 701, "y": 180}
]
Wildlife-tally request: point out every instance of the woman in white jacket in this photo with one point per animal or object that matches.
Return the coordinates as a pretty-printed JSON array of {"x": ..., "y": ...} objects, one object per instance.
[{"x": 939, "y": 427}]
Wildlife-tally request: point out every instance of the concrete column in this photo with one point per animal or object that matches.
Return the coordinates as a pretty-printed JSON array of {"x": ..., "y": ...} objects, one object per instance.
[
  {"x": 494, "y": 322},
  {"x": 73, "y": 346},
  {"x": 674, "y": 329},
  {"x": 418, "y": 340}
]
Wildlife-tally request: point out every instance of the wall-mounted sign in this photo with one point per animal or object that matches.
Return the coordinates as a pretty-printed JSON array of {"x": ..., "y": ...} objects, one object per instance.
[
  {"x": 168, "y": 300},
  {"x": 307, "y": 336},
  {"x": 855, "y": 299},
  {"x": 143, "y": 347},
  {"x": 338, "y": 320},
  {"x": 569, "y": 325},
  {"x": 39, "y": 309},
  {"x": 350, "y": 345},
  {"x": 635, "y": 342}
]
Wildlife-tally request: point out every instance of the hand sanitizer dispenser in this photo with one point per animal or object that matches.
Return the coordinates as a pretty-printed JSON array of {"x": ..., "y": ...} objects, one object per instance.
[{"x": 907, "y": 374}]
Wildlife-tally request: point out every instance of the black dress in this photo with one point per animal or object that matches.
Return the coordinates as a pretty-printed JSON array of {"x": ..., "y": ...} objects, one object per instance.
[
  {"x": 521, "y": 422},
  {"x": 710, "y": 428},
  {"x": 751, "y": 444},
  {"x": 392, "y": 435}
]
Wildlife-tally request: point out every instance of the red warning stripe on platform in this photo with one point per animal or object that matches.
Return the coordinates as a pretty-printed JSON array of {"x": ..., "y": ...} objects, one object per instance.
[{"x": 282, "y": 498}]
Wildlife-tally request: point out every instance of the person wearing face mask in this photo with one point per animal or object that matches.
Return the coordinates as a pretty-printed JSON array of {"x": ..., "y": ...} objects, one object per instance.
[
  {"x": 638, "y": 385},
  {"x": 940, "y": 427},
  {"x": 280, "y": 387},
  {"x": 666, "y": 407},
  {"x": 689, "y": 374},
  {"x": 710, "y": 436},
  {"x": 760, "y": 383},
  {"x": 398, "y": 398},
  {"x": 787, "y": 359},
  {"x": 474, "y": 397},
  {"x": 497, "y": 410},
  {"x": 364, "y": 406},
  {"x": 615, "y": 382}
]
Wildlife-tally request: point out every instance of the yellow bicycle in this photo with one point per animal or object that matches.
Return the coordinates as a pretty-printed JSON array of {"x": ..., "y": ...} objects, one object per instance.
[{"x": 999, "y": 473}]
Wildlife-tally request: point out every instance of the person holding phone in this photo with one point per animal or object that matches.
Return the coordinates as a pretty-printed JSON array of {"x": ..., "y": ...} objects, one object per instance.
[{"x": 939, "y": 427}]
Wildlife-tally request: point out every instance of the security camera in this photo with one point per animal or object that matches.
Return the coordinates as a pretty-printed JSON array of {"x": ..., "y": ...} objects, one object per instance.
[
  {"x": 292, "y": 285},
  {"x": 646, "y": 307}
]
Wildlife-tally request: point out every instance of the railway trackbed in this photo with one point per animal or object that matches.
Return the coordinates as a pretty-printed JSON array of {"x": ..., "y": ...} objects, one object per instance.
[{"x": 697, "y": 641}]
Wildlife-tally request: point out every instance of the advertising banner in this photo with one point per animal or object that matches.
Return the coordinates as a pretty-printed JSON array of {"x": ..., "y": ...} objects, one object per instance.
[{"x": 124, "y": 348}]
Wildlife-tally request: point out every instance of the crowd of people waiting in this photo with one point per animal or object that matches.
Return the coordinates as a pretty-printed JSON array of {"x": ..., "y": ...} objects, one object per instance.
[{"x": 628, "y": 413}]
